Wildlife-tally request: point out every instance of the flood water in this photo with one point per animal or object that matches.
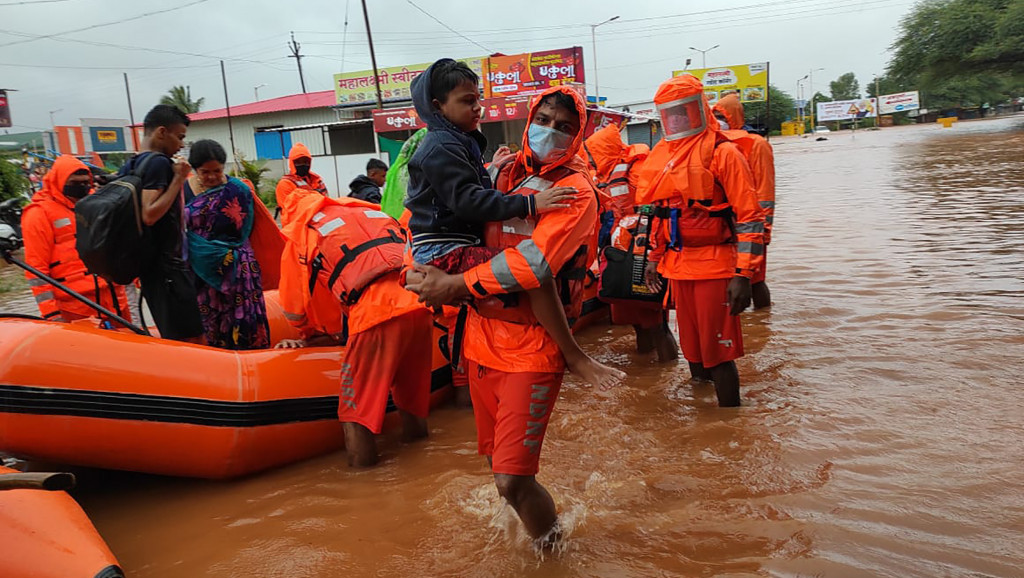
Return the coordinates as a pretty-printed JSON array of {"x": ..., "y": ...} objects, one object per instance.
[{"x": 881, "y": 433}]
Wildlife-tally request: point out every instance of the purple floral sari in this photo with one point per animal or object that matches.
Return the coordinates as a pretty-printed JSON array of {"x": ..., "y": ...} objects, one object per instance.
[{"x": 233, "y": 310}]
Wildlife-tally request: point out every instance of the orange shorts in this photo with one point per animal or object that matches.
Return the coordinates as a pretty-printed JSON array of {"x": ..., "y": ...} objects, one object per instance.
[
  {"x": 708, "y": 334},
  {"x": 512, "y": 412},
  {"x": 758, "y": 276},
  {"x": 394, "y": 356}
]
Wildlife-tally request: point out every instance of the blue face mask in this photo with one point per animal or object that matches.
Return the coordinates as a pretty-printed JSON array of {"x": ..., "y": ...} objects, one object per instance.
[{"x": 546, "y": 143}]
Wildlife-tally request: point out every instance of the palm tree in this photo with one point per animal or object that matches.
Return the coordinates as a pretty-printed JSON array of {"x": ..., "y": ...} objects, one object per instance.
[{"x": 181, "y": 97}]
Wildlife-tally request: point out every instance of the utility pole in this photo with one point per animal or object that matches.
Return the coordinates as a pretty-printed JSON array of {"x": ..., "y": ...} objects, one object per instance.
[
  {"x": 593, "y": 42},
  {"x": 131, "y": 114},
  {"x": 294, "y": 47},
  {"x": 227, "y": 106},
  {"x": 878, "y": 103},
  {"x": 373, "y": 58},
  {"x": 810, "y": 89}
]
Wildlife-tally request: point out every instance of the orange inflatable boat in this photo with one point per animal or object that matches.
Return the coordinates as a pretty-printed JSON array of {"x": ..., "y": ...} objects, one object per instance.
[
  {"x": 82, "y": 396},
  {"x": 76, "y": 395},
  {"x": 45, "y": 534}
]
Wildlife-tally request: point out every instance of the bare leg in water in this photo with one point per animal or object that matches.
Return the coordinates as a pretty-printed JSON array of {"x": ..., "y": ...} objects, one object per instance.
[
  {"x": 533, "y": 504},
  {"x": 761, "y": 295},
  {"x": 547, "y": 307},
  {"x": 360, "y": 445},
  {"x": 698, "y": 374},
  {"x": 727, "y": 383}
]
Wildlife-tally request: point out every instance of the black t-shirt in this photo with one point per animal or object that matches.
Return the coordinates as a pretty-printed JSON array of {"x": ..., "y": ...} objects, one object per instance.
[{"x": 165, "y": 234}]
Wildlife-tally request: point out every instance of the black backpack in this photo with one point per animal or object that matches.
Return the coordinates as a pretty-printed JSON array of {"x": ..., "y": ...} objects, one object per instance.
[{"x": 109, "y": 236}]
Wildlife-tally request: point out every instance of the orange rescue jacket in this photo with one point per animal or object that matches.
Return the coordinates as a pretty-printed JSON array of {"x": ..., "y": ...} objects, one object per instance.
[
  {"x": 759, "y": 156},
  {"x": 556, "y": 240},
  {"x": 709, "y": 223},
  {"x": 48, "y": 228},
  {"x": 614, "y": 166}
]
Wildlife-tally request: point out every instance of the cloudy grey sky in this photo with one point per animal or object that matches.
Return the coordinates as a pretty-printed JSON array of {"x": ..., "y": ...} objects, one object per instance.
[{"x": 70, "y": 54}]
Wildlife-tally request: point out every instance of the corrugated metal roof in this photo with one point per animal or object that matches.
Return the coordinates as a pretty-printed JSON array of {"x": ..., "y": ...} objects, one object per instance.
[
  {"x": 316, "y": 125},
  {"x": 322, "y": 99}
]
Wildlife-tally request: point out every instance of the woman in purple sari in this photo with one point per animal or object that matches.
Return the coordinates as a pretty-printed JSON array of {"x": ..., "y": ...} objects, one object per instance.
[{"x": 218, "y": 220}]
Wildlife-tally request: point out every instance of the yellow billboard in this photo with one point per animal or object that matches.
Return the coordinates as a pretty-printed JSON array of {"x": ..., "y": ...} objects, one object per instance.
[
  {"x": 359, "y": 88},
  {"x": 749, "y": 80}
]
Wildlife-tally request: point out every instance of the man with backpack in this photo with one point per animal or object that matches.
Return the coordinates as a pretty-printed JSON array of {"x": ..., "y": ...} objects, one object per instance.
[{"x": 167, "y": 282}]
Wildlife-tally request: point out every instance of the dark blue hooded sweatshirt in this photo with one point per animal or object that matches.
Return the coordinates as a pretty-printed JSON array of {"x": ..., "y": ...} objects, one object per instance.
[{"x": 450, "y": 194}]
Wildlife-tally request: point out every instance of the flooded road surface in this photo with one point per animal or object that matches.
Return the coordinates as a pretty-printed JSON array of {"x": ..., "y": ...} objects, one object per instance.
[{"x": 881, "y": 433}]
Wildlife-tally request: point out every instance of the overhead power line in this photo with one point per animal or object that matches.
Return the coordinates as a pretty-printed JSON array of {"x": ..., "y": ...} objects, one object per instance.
[
  {"x": 104, "y": 24},
  {"x": 457, "y": 33},
  {"x": 26, "y": 2}
]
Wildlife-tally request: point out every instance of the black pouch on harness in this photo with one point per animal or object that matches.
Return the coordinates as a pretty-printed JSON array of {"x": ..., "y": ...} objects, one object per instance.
[{"x": 622, "y": 272}]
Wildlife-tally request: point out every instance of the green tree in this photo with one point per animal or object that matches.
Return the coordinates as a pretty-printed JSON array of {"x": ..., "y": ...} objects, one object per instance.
[
  {"x": 845, "y": 87},
  {"x": 181, "y": 97},
  {"x": 886, "y": 85},
  {"x": 12, "y": 182},
  {"x": 781, "y": 109}
]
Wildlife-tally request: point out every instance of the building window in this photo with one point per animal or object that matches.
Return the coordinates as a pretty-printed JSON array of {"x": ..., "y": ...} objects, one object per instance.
[{"x": 353, "y": 139}]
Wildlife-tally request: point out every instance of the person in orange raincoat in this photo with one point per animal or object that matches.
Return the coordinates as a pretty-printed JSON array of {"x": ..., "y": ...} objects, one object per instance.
[
  {"x": 762, "y": 164},
  {"x": 615, "y": 168},
  {"x": 337, "y": 279},
  {"x": 708, "y": 239},
  {"x": 299, "y": 174},
  {"x": 48, "y": 228},
  {"x": 515, "y": 368}
]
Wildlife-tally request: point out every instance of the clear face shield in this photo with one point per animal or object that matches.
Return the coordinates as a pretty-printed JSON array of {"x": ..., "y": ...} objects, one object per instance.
[{"x": 682, "y": 118}]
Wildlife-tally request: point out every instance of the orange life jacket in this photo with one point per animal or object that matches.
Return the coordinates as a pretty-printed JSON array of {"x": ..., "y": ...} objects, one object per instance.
[
  {"x": 313, "y": 185},
  {"x": 355, "y": 247},
  {"x": 67, "y": 268},
  {"x": 696, "y": 220},
  {"x": 512, "y": 232}
]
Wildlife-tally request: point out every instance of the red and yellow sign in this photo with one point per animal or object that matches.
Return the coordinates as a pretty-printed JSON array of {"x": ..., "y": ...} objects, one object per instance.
[{"x": 533, "y": 72}]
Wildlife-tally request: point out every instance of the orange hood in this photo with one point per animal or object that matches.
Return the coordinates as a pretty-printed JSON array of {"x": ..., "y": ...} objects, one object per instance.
[
  {"x": 607, "y": 149},
  {"x": 732, "y": 109},
  {"x": 298, "y": 151},
  {"x": 684, "y": 160},
  {"x": 525, "y": 163},
  {"x": 57, "y": 177}
]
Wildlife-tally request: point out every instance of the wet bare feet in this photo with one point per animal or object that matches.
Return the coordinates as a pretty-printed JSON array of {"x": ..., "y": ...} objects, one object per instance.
[
  {"x": 551, "y": 541},
  {"x": 599, "y": 374}
]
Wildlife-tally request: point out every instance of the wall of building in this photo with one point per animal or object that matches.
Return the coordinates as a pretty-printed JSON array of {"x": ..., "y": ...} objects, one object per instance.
[{"x": 244, "y": 128}]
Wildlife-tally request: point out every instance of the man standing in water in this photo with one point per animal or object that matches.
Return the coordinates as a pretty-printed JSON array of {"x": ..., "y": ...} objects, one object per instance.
[
  {"x": 759, "y": 155},
  {"x": 516, "y": 368},
  {"x": 709, "y": 233}
]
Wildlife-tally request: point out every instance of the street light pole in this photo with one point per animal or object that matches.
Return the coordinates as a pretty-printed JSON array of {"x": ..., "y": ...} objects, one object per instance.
[
  {"x": 593, "y": 43},
  {"x": 53, "y": 124},
  {"x": 256, "y": 91},
  {"x": 878, "y": 103},
  {"x": 703, "y": 54},
  {"x": 810, "y": 89}
]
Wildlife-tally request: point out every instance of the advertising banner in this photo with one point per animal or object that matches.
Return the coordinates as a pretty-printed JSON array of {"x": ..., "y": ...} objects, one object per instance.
[
  {"x": 352, "y": 88},
  {"x": 108, "y": 139},
  {"x": 847, "y": 109},
  {"x": 533, "y": 72},
  {"x": 598, "y": 119},
  {"x": 494, "y": 110},
  {"x": 899, "y": 102},
  {"x": 5, "y": 110},
  {"x": 749, "y": 80}
]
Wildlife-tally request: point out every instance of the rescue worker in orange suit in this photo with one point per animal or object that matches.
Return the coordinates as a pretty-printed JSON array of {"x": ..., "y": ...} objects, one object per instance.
[
  {"x": 615, "y": 168},
  {"x": 339, "y": 273},
  {"x": 762, "y": 164},
  {"x": 515, "y": 368},
  {"x": 299, "y": 175},
  {"x": 708, "y": 239},
  {"x": 48, "y": 227}
]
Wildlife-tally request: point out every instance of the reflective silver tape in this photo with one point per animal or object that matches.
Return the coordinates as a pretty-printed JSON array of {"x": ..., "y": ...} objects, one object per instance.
[
  {"x": 65, "y": 222},
  {"x": 45, "y": 296},
  {"x": 767, "y": 204},
  {"x": 752, "y": 248},
  {"x": 330, "y": 226},
  {"x": 535, "y": 258},
  {"x": 750, "y": 227},
  {"x": 503, "y": 274}
]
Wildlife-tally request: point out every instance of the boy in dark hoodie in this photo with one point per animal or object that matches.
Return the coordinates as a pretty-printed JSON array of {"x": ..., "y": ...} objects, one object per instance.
[{"x": 451, "y": 197}]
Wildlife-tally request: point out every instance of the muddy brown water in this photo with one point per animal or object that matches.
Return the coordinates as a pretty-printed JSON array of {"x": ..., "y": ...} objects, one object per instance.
[{"x": 881, "y": 433}]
